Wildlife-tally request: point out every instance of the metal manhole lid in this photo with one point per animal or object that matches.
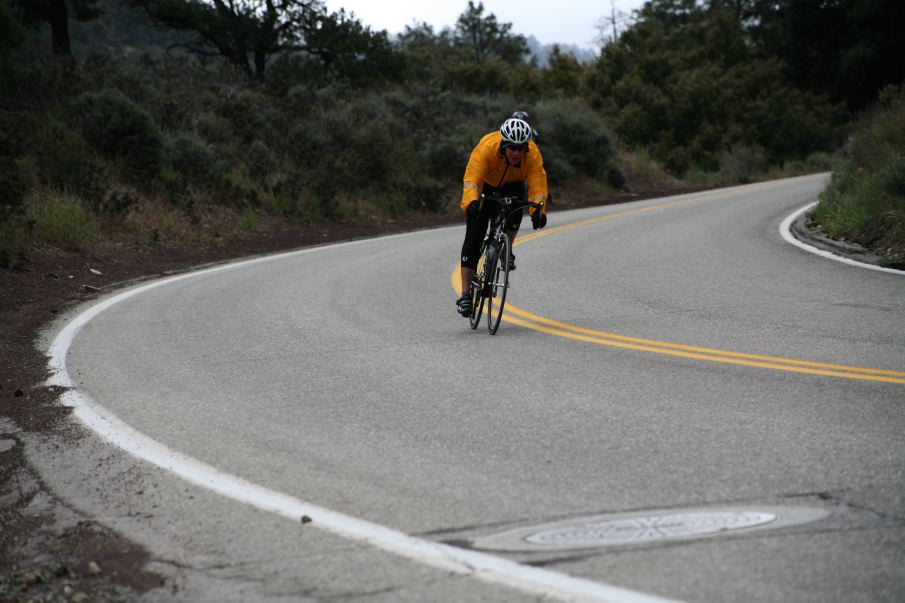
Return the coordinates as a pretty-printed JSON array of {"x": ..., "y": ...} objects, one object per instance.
[
  {"x": 644, "y": 527},
  {"x": 650, "y": 527}
]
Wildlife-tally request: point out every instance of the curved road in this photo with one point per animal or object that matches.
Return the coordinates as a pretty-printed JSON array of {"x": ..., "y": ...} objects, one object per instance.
[{"x": 665, "y": 355}]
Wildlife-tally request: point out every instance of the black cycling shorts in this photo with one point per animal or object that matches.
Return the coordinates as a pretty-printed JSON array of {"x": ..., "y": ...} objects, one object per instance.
[{"x": 476, "y": 225}]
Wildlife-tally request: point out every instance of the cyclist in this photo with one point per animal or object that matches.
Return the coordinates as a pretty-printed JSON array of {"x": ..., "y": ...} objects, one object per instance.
[{"x": 503, "y": 161}]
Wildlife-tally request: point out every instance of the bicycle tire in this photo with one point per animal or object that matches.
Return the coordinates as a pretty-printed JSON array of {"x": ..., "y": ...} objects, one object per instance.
[
  {"x": 477, "y": 301},
  {"x": 499, "y": 284},
  {"x": 477, "y": 289}
]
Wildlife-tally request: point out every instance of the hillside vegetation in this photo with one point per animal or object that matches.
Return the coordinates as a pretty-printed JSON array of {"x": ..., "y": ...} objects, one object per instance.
[
  {"x": 170, "y": 121},
  {"x": 865, "y": 201}
]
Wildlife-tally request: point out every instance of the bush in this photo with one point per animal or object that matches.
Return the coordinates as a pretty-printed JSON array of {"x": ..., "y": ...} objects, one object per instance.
[
  {"x": 643, "y": 169},
  {"x": 741, "y": 163},
  {"x": 865, "y": 199},
  {"x": 261, "y": 158},
  {"x": 819, "y": 160},
  {"x": 12, "y": 187},
  {"x": 62, "y": 219},
  {"x": 253, "y": 116},
  {"x": 575, "y": 141},
  {"x": 62, "y": 159},
  {"x": 848, "y": 204},
  {"x": 192, "y": 158},
  {"x": 214, "y": 128},
  {"x": 890, "y": 178},
  {"x": 120, "y": 129},
  {"x": 15, "y": 239},
  {"x": 347, "y": 146}
]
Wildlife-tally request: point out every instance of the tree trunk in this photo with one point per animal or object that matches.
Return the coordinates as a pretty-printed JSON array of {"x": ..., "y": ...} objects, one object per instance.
[
  {"x": 59, "y": 27},
  {"x": 260, "y": 64}
]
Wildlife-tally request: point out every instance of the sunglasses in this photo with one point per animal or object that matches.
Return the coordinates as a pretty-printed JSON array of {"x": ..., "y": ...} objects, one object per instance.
[{"x": 519, "y": 148}]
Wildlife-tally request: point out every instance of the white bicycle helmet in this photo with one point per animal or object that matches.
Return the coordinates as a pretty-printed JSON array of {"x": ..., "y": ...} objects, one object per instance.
[{"x": 515, "y": 132}]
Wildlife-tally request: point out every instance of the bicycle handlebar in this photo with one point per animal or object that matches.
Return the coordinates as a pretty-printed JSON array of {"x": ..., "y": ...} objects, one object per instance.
[{"x": 513, "y": 204}]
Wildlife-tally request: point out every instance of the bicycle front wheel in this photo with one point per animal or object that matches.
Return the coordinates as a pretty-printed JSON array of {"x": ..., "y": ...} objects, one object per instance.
[
  {"x": 478, "y": 285},
  {"x": 477, "y": 302},
  {"x": 498, "y": 284}
]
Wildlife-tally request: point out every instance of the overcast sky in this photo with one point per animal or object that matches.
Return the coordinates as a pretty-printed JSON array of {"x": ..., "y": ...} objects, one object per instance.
[{"x": 550, "y": 21}]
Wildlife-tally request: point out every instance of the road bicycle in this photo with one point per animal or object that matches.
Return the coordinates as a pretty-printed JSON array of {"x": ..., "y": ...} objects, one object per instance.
[{"x": 491, "y": 280}]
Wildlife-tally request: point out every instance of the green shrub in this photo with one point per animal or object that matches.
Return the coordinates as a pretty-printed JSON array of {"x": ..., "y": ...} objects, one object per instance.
[
  {"x": 250, "y": 220},
  {"x": 214, "y": 128},
  {"x": 252, "y": 115},
  {"x": 444, "y": 155},
  {"x": 12, "y": 188},
  {"x": 643, "y": 169},
  {"x": 243, "y": 189},
  {"x": 63, "y": 159},
  {"x": 15, "y": 237},
  {"x": 558, "y": 168},
  {"x": 865, "y": 199},
  {"x": 192, "y": 159},
  {"x": 794, "y": 167},
  {"x": 429, "y": 194},
  {"x": 261, "y": 158},
  {"x": 615, "y": 176},
  {"x": 120, "y": 129},
  {"x": 12, "y": 185},
  {"x": 573, "y": 135},
  {"x": 819, "y": 160},
  {"x": 701, "y": 177},
  {"x": 61, "y": 219},
  {"x": 890, "y": 177},
  {"x": 741, "y": 163}
]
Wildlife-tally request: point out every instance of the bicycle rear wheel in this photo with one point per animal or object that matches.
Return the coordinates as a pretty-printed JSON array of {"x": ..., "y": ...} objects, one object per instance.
[{"x": 498, "y": 284}]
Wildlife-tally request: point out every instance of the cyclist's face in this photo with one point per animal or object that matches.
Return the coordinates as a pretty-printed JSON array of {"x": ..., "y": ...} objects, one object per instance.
[{"x": 514, "y": 154}]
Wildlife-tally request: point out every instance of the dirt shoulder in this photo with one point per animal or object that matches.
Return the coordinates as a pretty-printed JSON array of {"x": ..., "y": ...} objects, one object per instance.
[{"x": 49, "y": 550}]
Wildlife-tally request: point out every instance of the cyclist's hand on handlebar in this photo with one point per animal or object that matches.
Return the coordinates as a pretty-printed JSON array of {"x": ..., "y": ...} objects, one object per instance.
[
  {"x": 473, "y": 209},
  {"x": 538, "y": 219}
]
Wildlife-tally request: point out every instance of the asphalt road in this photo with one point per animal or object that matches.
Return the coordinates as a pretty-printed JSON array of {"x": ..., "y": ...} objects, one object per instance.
[{"x": 669, "y": 355}]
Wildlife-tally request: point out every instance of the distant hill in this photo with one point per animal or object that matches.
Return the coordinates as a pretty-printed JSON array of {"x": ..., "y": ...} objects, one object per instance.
[{"x": 542, "y": 51}]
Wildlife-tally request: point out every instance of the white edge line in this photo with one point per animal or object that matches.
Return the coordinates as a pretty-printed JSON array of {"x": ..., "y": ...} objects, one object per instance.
[
  {"x": 483, "y": 566},
  {"x": 785, "y": 230}
]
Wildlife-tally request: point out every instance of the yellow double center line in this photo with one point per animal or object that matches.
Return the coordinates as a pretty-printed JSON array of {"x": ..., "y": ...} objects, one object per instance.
[{"x": 529, "y": 320}]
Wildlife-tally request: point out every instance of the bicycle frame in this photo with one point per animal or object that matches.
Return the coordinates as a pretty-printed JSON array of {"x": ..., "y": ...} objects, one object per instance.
[{"x": 506, "y": 207}]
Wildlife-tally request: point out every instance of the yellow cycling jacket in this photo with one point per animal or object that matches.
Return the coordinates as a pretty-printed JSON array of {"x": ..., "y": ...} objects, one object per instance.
[{"x": 488, "y": 165}]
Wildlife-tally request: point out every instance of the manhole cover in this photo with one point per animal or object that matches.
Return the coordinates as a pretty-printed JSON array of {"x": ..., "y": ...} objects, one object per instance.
[
  {"x": 651, "y": 527},
  {"x": 640, "y": 528}
]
